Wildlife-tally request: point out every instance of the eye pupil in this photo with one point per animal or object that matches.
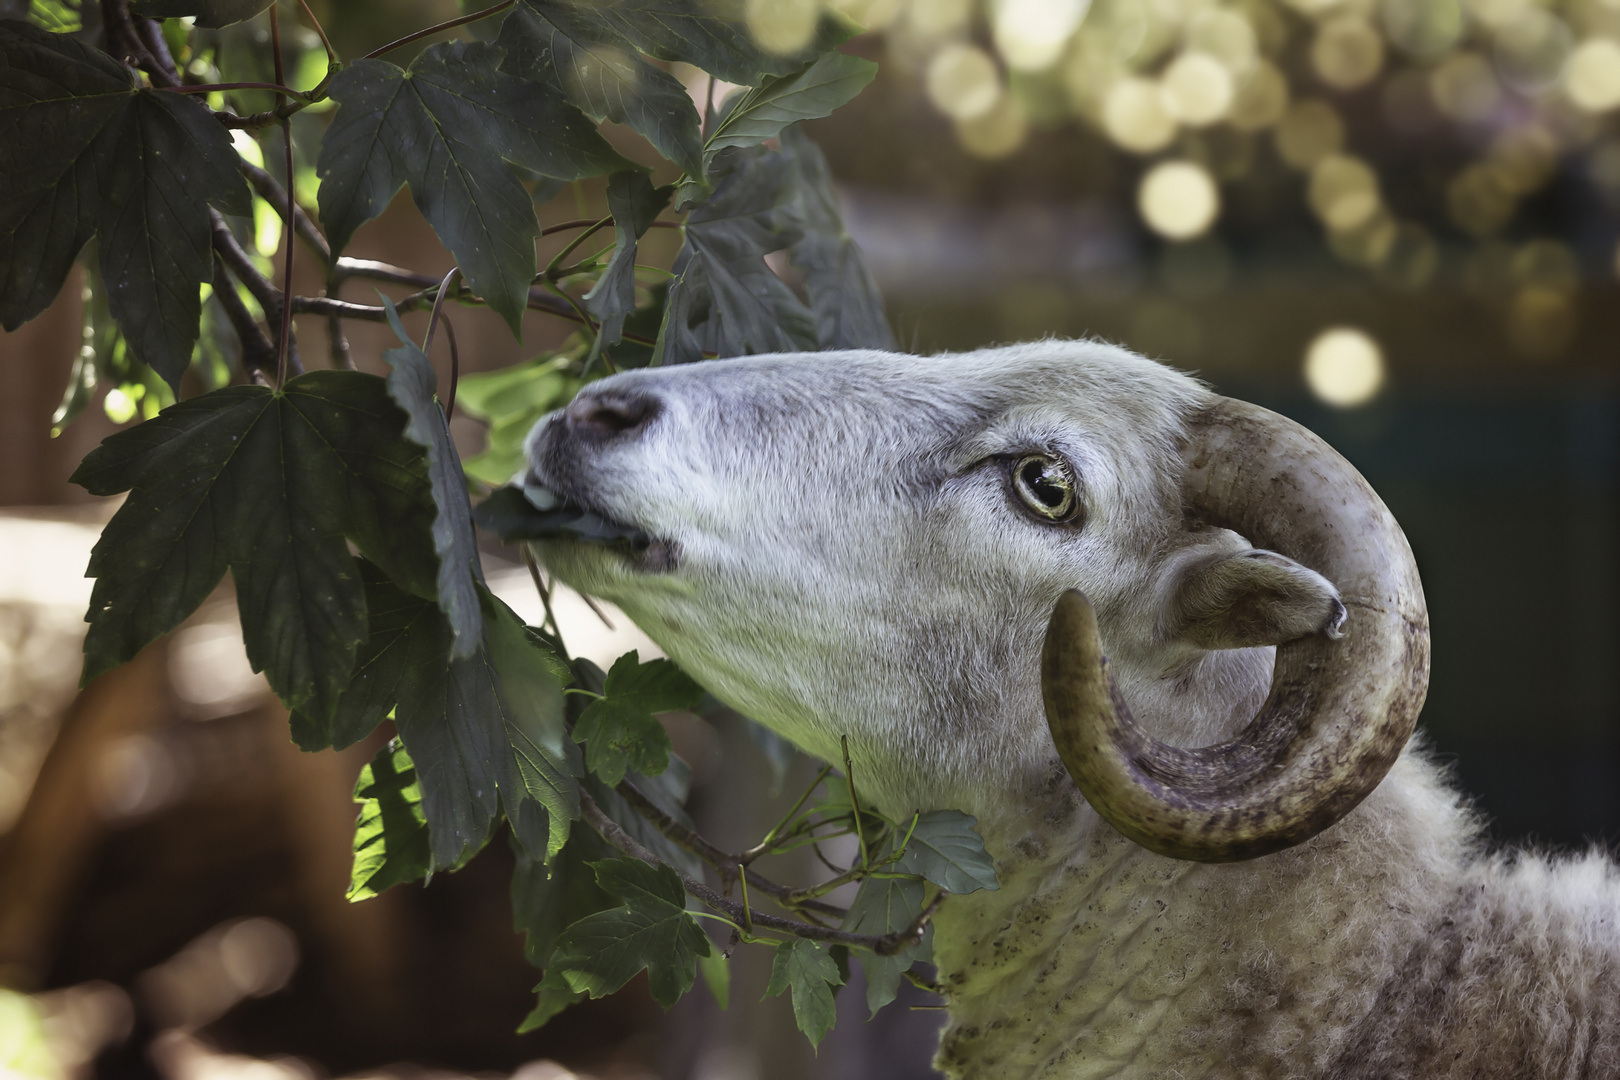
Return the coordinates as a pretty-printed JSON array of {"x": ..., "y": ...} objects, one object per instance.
[{"x": 1046, "y": 487}]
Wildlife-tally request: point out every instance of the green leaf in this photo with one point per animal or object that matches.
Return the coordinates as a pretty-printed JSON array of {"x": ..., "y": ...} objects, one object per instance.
[
  {"x": 804, "y": 966},
  {"x": 726, "y": 293},
  {"x": 268, "y": 484},
  {"x": 88, "y": 153},
  {"x": 553, "y": 995},
  {"x": 209, "y": 13},
  {"x": 707, "y": 34},
  {"x": 391, "y": 838},
  {"x": 817, "y": 90},
  {"x": 605, "y": 81},
  {"x": 619, "y": 731},
  {"x": 847, "y": 305},
  {"x": 547, "y": 900},
  {"x": 509, "y": 514},
  {"x": 651, "y": 929},
  {"x": 635, "y": 204},
  {"x": 883, "y": 906},
  {"x": 947, "y": 850},
  {"x": 716, "y": 971},
  {"x": 444, "y": 127},
  {"x": 513, "y": 400},
  {"x": 411, "y": 385}
]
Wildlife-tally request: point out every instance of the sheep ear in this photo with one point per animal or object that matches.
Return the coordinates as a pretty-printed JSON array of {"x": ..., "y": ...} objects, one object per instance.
[{"x": 1250, "y": 598}]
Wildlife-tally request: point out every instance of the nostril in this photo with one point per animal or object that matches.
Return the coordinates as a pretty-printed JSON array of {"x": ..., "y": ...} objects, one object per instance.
[{"x": 608, "y": 414}]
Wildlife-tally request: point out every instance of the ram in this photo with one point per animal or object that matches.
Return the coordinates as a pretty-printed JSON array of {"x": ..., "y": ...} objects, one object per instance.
[{"x": 1216, "y": 857}]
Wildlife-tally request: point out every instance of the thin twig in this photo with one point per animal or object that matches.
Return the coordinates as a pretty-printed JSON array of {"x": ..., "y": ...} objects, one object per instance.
[
  {"x": 765, "y": 845},
  {"x": 287, "y": 248},
  {"x": 545, "y": 597},
  {"x": 257, "y": 352},
  {"x": 455, "y": 368},
  {"x": 854, "y": 799},
  {"x": 209, "y": 88},
  {"x": 448, "y": 283},
  {"x": 882, "y": 944},
  {"x": 240, "y": 264},
  {"x": 448, "y": 24},
  {"x": 331, "y": 53},
  {"x": 270, "y": 190},
  {"x": 125, "y": 42},
  {"x": 381, "y": 271},
  {"x": 275, "y": 47},
  {"x": 722, "y": 861}
]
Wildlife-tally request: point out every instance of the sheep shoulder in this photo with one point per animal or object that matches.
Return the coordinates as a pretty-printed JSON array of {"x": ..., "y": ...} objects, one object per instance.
[{"x": 1389, "y": 946}]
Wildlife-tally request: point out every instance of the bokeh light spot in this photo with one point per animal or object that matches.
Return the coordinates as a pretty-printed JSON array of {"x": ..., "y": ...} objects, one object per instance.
[
  {"x": 1031, "y": 34},
  {"x": 1347, "y": 52},
  {"x": 1261, "y": 101},
  {"x": 1134, "y": 116},
  {"x": 782, "y": 26},
  {"x": 1465, "y": 87},
  {"x": 963, "y": 82},
  {"x": 1592, "y": 77},
  {"x": 1178, "y": 199},
  {"x": 1343, "y": 191},
  {"x": 1309, "y": 132},
  {"x": 1344, "y": 367},
  {"x": 1197, "y": 89},
  {"x": 996, "y": 132}
]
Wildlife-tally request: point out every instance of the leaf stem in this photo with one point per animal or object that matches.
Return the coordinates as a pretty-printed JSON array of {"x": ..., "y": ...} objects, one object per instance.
[
  {"x": 765, "y": 845},
  {"x": 332, "y": 60},
  {"x": 748, "y": 912},
  {"x": 286, "y": 234},
  {"x": 209, "y": 88},
  {"x": 275, "y": 50},
  {"x": 882, "y": 944},
  {"x": 545, "y": 597},
  {"x": 854, "y": 799},
  {"x": 448, "y": 24},
  {"x": 448, "y": 283}
]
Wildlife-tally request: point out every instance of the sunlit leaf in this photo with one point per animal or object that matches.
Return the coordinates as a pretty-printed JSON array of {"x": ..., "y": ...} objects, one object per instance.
[
  {"x": 818, "y": 89},
  {"x": 88, "y": 153},
  {"x": 391, "y": 838}
]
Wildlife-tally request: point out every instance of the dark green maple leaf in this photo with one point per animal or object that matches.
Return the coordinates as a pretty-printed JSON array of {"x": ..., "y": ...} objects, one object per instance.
[
  {"x": 619, "y": 731},
  {"x": 446, "y": 127},
  {"x": 268, "y": 484},
  {"x": 391, "y": 844},
  {"x": 847, "y": 305},
  {"x": 816, "y": 90},
  {"x": 947, "y": 850},
  {"x": 547, "y": 899},
  {"x": 805, "y": 967},
  {"x": 605, "y": 80},
  {"x": 411, "y": 385},
  {"x": 651, "y": 929},
  {"x": 87, "y": 153},
  {"x": 884, "y": 905},
  {"x": 635, "y": 204},
  {"x": 726, "y": 297}
]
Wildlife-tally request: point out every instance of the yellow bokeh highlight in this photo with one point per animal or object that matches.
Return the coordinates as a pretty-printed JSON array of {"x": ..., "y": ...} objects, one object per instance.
[
  {"x": 1465, "y": 88},
  {"x": 1178, "y": 199},
  {"x": 1592, "y": 75},
  {"x": 1347, "y": 52},
  {"x": 1261, "y": 101},
  {"x": 1134, "y": 116},
  {"x": 997, "y": 132},
  {"x": 1308, "y": 132},
  {"x": 1227, "y": 36},
  {"x": 1343, "y": 191},
  {"x": 782, "y": 26},
  {"x": 1344, "y": 367},
  {"x": 963, "y": 82},
  {"x": 1196, "y": 88},
  {"x": 1032, "y": 34}
]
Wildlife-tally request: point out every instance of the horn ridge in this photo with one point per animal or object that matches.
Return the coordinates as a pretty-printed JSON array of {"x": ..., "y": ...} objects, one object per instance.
[{"x": 1339, "y": 712}]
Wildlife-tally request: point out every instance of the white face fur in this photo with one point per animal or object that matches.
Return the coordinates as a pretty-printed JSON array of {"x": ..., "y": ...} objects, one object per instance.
[{"x": 840, "y": 548}]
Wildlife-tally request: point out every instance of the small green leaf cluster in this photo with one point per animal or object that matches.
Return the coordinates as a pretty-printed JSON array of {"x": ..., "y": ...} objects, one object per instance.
[{"x": 135, "y": 137}]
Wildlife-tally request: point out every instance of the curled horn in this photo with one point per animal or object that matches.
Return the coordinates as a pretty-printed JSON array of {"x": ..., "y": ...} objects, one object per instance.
[{"x": 1339, "y": 712}]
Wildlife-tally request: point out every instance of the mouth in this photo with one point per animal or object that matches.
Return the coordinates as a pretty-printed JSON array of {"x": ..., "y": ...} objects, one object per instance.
[{"x": 532, "y": 511}]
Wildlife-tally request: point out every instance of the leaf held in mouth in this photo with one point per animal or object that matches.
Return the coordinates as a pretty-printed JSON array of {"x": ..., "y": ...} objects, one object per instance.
[{"x": 509, "y": 514}]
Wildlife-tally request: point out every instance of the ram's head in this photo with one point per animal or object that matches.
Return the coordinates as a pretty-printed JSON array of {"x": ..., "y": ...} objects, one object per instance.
[{"x": 877, "y": 546}]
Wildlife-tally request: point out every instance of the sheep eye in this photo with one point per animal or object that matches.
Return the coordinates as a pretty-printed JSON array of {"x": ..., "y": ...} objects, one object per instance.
[{"x": 1046, "y": 486}]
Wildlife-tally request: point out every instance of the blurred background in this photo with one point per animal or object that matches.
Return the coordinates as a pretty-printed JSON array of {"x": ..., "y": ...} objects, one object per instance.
[{"x": 1395, "y": 221}]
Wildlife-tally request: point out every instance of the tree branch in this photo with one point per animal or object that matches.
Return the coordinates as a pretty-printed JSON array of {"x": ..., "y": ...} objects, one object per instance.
[
  {"x": 882, "y": 944},
  {"x": 257, "y": 352},
  {"x": 270, "y": 190},
  {"x": 241, "y": 264},
  {"x": 723, "y": 861}
]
